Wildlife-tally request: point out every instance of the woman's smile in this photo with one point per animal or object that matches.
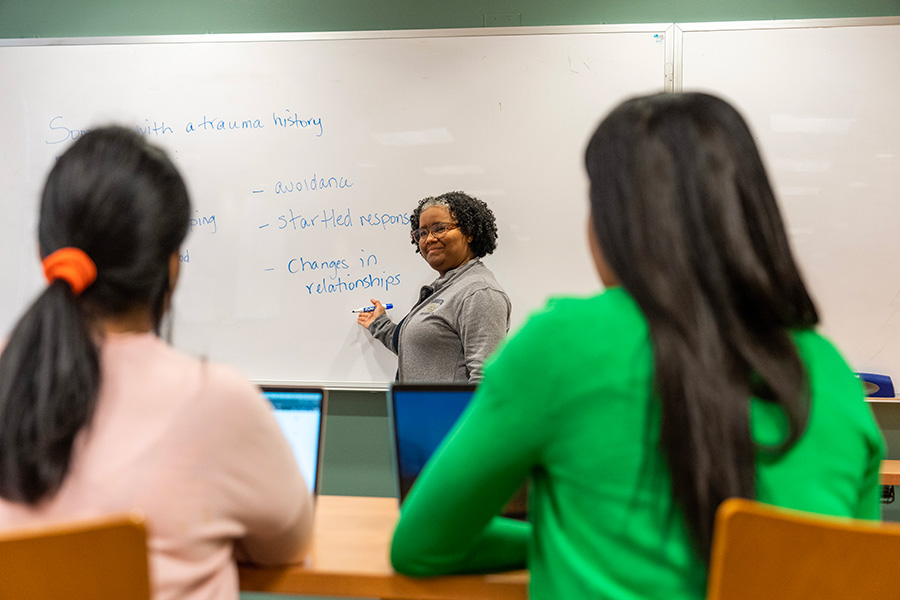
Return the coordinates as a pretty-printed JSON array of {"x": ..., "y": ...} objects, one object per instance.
[{"x": 447, "y": 250}]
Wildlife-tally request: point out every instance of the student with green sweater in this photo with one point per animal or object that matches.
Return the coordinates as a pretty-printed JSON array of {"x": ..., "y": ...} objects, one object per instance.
[{"x": 697, "y": 375}]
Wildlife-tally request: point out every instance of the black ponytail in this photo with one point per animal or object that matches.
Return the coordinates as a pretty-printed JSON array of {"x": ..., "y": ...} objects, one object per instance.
[
  {"x": 123, "y": 203},
  {"x": 49, "y": 376}
]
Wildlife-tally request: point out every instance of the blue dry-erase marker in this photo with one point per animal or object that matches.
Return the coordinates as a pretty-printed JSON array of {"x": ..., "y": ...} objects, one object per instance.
[{"x": 371, "y": 308}]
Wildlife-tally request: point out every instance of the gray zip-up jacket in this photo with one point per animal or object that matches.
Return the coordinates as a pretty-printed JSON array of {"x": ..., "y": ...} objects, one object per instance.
[{"x": 457, "y": 323}]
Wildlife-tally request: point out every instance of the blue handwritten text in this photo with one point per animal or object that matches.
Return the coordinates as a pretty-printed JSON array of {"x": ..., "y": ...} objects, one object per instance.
[
  {"x": 155, "y": 129},
  {"x": 297, "y": 265},
  {"x": 311, "y": 185},
  {"x": 362, "y": 283},
  {"x": 383, "y": 219},
  {"x": 331, "y": 219},
  {"x": 296, "y": 122},
  {"x": 215, "y": 124},
  {"x": 63, "y": 133},
  {"x": 204, "y": 221}
]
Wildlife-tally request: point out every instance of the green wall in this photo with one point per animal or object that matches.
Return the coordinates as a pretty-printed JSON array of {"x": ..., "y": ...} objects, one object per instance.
[
  {"x": 65, "y": 18},
  {"x": 357, "y": 448}
]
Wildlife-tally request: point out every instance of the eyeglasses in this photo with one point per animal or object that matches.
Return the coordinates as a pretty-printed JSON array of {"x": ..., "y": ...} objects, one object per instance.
[{"x": 436, "y": 229}]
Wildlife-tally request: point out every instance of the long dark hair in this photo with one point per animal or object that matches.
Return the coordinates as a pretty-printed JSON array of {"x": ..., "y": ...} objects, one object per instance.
[
  {"x": 121, "y": 201},
  {"x": 686, "y": 218}
]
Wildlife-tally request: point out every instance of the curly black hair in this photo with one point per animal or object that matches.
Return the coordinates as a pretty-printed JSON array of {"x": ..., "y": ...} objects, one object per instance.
[{"x": 473, "y": 215}]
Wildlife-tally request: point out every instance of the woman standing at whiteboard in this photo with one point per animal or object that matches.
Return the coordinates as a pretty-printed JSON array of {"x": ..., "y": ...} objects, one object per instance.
[
  {"x": 462, "y": 315},
  {"x": 695, "y": 376},
  {"x": 98, "y": 415}
]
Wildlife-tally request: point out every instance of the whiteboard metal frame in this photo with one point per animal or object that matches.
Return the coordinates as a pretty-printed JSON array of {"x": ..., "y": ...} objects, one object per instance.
[{"x": 193, "y": 38}]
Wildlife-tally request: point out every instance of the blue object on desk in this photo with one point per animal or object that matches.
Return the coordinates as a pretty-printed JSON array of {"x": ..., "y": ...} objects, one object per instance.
[{"x": 877, "y": 386}]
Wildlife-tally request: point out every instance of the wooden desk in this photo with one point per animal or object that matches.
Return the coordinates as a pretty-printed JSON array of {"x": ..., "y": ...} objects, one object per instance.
[
  {"x": 349, "y": 557},
  {"x": 890, "y": 472}
]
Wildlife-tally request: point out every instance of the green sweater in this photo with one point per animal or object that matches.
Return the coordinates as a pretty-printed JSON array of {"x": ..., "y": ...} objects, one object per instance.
[{"x": 568, "y": 400}]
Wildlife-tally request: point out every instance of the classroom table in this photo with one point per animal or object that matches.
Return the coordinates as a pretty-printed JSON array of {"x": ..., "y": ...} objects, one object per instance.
[
  {"x": 349, "y": 557},
  {"x": 890, "y": 472}
]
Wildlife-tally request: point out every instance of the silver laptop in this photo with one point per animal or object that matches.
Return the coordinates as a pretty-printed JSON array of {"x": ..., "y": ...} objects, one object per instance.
[{"x": 300, "y": 411}]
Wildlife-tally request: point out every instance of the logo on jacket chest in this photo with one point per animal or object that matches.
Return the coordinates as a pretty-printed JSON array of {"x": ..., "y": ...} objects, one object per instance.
[{"x": 432, "y": 306}]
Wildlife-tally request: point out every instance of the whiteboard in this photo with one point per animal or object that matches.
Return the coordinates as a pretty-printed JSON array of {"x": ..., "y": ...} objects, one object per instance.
[
  {"x": 822, "y": 99},
  {"x": 305, "y": 154}
]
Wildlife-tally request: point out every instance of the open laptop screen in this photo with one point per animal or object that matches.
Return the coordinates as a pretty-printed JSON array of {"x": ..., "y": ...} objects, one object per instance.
[
  {"x": 301, "y": 412},
  {"x": 422, "y": 415}
]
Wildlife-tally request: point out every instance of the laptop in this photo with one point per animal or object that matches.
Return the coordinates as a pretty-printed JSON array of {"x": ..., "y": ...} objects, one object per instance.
[
  {"x": 421, "y": 416},
  {"x": 300, "y": 411}
]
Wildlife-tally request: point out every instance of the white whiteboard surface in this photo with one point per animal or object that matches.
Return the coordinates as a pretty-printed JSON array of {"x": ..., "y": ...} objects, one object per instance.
[
  {"x": 823, "y": 98},
  {"x": 344, "y": 134}
]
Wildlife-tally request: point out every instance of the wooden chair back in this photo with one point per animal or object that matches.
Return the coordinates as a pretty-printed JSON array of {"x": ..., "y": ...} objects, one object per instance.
[
  {"x": 765, "y": 552},
  {"x": 98, "y": 559}
]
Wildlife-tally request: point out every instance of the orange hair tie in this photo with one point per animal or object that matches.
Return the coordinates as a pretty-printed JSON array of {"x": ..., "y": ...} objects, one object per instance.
[{"x": 73, "y": 266}]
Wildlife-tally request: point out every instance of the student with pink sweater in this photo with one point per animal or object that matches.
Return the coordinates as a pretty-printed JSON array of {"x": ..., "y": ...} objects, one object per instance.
[{"x": 98, "y": 415}]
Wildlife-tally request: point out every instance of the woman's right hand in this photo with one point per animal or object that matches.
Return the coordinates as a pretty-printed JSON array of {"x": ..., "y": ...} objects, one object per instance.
[{"x": 365, "y": 318}]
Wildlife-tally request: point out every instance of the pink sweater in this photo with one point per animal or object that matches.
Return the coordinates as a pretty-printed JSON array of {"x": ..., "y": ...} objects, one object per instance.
[{"x": 195, "y": 448}]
